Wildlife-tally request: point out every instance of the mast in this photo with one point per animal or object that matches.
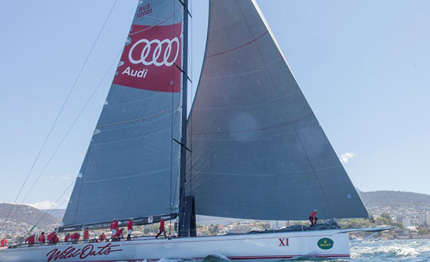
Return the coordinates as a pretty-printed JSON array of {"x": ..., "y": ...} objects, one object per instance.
[{"x": 186, "y": 204}]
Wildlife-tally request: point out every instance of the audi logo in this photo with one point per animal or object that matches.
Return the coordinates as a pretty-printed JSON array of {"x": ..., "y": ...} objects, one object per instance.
[{"x": 158, "y": 58}]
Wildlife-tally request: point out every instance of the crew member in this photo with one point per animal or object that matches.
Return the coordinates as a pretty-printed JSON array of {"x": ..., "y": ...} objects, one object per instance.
[
  {"x": 3, "y": 242},
  {"x": 102, "y": 237},
  {"x": 162, "y": 230},
  {"x": 129, "y": 228},
  {"x": 50, "y": 237},
  {"x": 55, "y": 239},
  {"x": 30, "y": 240},
  {"x": 114, "y": 228},
  {"x": 86, "y": 235},
  {"x": 118, "y": 235},
  {"x": 313, "y": 218},
  {"x": 75, "y": 237},
  {"x": 42, "y": 238},
  {"x": 67, "y": 238}
]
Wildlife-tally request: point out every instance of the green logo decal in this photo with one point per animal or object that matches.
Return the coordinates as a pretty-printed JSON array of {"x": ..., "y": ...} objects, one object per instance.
[{"x": 325, "y": 243}]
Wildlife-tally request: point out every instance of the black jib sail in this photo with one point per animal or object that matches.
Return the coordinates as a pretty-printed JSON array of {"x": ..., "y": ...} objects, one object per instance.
[{"x": 258, "y": 151}]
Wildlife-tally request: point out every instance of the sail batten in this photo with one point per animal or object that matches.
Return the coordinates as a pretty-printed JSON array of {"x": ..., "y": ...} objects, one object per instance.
[{"x": 258, "y": 151}]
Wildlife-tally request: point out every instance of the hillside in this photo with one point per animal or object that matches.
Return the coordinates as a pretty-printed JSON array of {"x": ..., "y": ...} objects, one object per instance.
[
  {"x": 391, "y": 198},
  {"x": 397, "y": 204},
  {"x": 19, "y": 219}
]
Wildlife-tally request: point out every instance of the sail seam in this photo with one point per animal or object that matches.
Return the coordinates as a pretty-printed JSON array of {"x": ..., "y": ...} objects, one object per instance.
[
  {"x": 146, "y": 29},
  {"x": 137, "y": 119},
  {"x": 257, "y": 129},
  {"x": 125, "y": 177},
  {"x": 233, "y": 49}
]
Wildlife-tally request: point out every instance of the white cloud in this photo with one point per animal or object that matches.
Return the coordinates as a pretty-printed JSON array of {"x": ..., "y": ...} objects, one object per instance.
[
  {"x": 65, "y": 177},
  {"x": 344, "y": 158},
  {"x": 42, "y": 205}
]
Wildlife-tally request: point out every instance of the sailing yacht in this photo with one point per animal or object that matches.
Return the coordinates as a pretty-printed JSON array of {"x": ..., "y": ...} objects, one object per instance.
[{"x": 250, "y": 148}]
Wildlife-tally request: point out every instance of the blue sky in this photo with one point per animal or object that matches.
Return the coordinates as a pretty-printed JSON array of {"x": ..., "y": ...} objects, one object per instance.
[{"x": 362, "y": 65}]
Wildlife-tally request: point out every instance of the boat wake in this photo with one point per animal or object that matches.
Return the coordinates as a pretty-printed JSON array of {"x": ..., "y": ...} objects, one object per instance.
[
  {"x": 392, "y": 249},
  {"x": 216, "y": 258},
  {"x": 313, "y": 258}
]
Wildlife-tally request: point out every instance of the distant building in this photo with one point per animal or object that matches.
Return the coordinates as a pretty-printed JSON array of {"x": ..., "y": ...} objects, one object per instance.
[
  {"x": 399, "y": 219},
  {"x": 407, "y": 222},
  {"x": 424, "y": 219},
  {"x": 273, "y": 224}
]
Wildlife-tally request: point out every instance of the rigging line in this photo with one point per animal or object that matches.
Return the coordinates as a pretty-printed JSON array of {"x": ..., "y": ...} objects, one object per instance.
[
  {"x": 135, "y": 120},
  {"x": 73, "y": 124},
  {"x": 50, "y": 209},
  {"x": 62, "y": 108}
]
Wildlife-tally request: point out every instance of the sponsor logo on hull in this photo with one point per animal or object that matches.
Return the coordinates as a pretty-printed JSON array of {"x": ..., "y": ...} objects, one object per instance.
[{"x": 325, "y": 243}]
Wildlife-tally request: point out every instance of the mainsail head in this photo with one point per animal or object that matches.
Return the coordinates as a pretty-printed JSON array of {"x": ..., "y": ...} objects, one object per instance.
[
  {"x": 132, "y": 164},
  {"x": 258, "y": 151}
]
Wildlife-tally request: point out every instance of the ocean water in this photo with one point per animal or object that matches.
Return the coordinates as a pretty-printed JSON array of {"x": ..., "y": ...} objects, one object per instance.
[{"x": 417, "y": 250}]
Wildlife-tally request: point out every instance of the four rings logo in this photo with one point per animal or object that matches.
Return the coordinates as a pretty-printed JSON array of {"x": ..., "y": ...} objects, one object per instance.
[
  {"x": 148, "y": 58},
  {"x": 156, "y": 52}
]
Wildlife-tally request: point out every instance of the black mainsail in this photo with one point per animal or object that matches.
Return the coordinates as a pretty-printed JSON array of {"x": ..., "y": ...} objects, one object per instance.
[
  {"x": 131, "y": 168},
  {"x": 258, "y": 151}
]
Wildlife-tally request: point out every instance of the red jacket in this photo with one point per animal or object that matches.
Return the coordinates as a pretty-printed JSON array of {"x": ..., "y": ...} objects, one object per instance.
[
  {"x": 75, "y": 236},
  {"x": 114, "y": 224},
  {"x": 102, "y": 237},
  {"x": 55, "y": 239},
  {"x": 130, "y": 225},
  {"x": 3, "y": 242},
  {"x": 66, "y": 238},
  {"x": 30, "y": 239},
  {"x": 42, "y": 239},
  {"x": 50, "y": 236},
  {"x": 86, "y": 234},
  {"x": 162, "y": 224},
  {"x": 313, "y": 214},
  {"x": 118, "y": 233}
]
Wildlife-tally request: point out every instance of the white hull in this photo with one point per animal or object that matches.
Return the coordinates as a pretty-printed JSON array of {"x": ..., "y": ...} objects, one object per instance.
[{"x": 267, "y": 246}]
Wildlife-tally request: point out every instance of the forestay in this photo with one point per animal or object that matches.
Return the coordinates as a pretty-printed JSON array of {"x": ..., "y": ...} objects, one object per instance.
[
  {"x": 258, "y": 151},
  {"x": 132, "y": 164}
]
